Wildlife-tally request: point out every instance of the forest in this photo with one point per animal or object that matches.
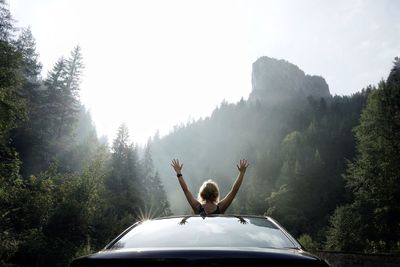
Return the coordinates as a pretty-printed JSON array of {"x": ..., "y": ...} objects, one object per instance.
[
  {"x": 63, "y": 191},
  {"x": 326, "y": 167}
]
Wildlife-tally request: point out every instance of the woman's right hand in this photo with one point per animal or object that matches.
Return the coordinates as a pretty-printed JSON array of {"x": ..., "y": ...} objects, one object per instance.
[
  {"x": 243, "y": 164},
  {"x": 177, "y": 167}
]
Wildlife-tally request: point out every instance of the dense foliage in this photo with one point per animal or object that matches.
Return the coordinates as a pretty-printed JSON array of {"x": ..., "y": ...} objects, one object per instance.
[
  {"x": 325, "y": 167},
  {"x": 371, "y": 220},
  {"x": 63, "y": 193},
  {"x": 300, "y": 149},
  {"x": 298, "y": 154}
]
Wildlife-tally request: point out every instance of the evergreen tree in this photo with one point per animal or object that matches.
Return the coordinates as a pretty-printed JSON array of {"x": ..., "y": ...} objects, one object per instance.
[
  {"x": 125, "y": 190},
  {"x": 54, "y": 109},
  {"x": 70, "y": 104},
  {"x": 53, "y": 100},
  {"x": 24, "y": 138},
  {"x": 301, "y": 201},
  {"x": 12, "y": 105},
  {"x": 394, "y": 76},
  {"x": 374, "y": 176},
  {"x": 156, "y": 198},
  {"x": 12, "y": 113},
  {"x": 83, "y": 147},
  {"x": 26, "y": 45},
  {"x": 62, "y": 93},
  {"x": 6, "y": 22}
]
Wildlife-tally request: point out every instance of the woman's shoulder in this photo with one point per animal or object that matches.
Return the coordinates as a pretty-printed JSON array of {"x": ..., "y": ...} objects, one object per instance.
[
  {"x": 199, "y": 209},
  {"x": 215, "y": 209}
]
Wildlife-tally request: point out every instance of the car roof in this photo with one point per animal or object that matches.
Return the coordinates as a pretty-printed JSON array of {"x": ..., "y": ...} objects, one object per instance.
[
  {"x": 211, "y": 215},
  {"x": 214, "y": 216}
]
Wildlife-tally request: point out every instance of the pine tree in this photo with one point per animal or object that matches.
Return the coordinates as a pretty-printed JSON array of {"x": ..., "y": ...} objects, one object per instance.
[
  {"x": 374, "y": 176},
  {"x": 26, "y": 45},
  {"x": 83, "y": 146},
  {"x": 24, "y": 138},
  {"x": 12, "y": 113},
  {"x": 54, "y": 110},
  {"x": 394, "y": 76},
  {"x": 64, "y": 81},
  {"x": 156, "y": 198},
  {"x": 123, "y": 183},
  {"x": 6, "y": 22},
  {"x": 12, "y": 104},
  {"x": 62, "y": 94}
]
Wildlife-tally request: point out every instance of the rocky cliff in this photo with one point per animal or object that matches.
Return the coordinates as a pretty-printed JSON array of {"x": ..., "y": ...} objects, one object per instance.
[{"x": 275, "y": 81}]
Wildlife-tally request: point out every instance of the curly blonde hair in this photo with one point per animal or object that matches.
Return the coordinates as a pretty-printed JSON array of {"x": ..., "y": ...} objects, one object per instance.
[{"x": 209, "y": 191}]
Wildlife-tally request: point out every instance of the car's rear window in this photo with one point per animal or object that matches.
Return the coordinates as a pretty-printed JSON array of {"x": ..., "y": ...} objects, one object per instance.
[{"x": 205, "y": 232}]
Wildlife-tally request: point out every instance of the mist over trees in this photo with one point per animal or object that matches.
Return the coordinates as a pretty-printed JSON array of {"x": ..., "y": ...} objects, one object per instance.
[
  {"x": 63, "y": 192},
  {"x": 326, "y": 167},
  {"x": 321, "y": 165}
]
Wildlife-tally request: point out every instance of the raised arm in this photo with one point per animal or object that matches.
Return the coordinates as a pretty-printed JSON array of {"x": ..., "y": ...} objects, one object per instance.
[
  {"x": 224, "y": 203},
  {"x": 194, "y": 203}
]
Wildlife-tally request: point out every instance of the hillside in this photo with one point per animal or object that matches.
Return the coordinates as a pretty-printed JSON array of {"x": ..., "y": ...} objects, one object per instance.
[{"x": 288, "y": 119}]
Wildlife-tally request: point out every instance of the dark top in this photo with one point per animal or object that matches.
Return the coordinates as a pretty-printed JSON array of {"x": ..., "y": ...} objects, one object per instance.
[{"x": 201, "y": 211}]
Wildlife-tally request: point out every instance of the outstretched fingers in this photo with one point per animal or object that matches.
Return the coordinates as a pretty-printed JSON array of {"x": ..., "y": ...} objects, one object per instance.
[
  {"x": 243, "y": 164},
  {"x": 175, "y": 162},
  {"x": 176, "y": 165}
]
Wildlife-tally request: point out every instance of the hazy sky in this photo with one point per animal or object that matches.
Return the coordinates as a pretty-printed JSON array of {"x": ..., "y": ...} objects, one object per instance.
[{"x": 155, "y": 64}]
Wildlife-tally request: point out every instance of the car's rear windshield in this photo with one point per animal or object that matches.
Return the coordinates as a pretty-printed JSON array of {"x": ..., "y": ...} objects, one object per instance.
[{"x": 205, "y": 232}]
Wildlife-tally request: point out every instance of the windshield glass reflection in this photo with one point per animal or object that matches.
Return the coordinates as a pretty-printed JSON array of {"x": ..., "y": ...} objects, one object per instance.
[{"x": 195, "y": 231}]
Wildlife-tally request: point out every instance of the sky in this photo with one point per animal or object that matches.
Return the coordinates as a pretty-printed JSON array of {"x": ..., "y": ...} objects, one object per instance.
[{"x": 156, "y": 64}]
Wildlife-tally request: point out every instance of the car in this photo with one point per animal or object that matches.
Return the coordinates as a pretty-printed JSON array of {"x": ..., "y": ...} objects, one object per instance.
[{"x": 217, "y": 240}]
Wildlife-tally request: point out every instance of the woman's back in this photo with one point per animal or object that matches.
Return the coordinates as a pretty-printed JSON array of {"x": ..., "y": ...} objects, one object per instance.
[
  {"x": 209, "y": 192},
  {"x": 208, "y": 208}
]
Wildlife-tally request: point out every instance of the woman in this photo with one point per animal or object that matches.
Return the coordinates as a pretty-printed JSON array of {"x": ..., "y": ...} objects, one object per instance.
[{"x": 208, "y": 197}]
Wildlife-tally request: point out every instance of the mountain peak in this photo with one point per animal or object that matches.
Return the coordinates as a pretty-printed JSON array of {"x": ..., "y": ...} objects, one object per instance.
[{"x": 276, "y": 80}]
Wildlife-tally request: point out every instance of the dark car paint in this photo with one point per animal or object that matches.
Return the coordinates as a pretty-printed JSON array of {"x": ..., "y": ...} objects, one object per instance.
[{"x": 199, "y": 257}]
